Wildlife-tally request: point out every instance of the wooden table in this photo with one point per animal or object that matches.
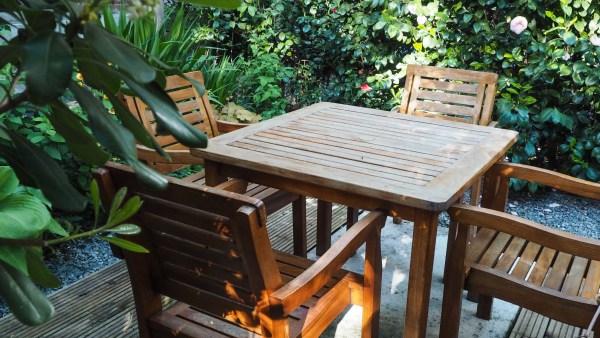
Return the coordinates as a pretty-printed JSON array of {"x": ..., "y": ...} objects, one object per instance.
[{"x": 414, "y": 167}]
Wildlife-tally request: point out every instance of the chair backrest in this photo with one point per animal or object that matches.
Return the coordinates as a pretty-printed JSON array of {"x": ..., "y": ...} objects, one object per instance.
[
  {"x": 193, "y": 107},
  {"x": 450, "y": 94},
  {"x": 208, "y": 248}
]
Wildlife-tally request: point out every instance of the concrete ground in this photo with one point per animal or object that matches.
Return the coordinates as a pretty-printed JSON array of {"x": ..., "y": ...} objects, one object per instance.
[{"x": 396, "y": 244}]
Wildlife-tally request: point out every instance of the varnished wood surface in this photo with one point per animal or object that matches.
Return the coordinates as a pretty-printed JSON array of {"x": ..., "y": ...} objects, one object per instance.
[{"x": 405, "y": 160}]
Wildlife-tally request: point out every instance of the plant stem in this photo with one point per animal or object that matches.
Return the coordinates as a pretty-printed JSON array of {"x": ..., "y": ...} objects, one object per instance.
[{"x": 43, "y": 243}]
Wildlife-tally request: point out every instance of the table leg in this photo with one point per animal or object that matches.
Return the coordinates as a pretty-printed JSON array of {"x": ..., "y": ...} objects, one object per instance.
[
  {"x": 212, "y": 176},
  {"x": 421, "y": 270},
  {"x": 324, "y": 214}
]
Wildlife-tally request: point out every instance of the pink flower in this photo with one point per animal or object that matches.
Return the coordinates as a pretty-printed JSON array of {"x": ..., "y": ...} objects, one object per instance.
[
  {"x": 421, "y": 19},
  {"x": 365, "y": 87},
  {"x": 566, "y": 57},
  {"x": 518, "y": 24},
  {"x": 595, "y": 40}
]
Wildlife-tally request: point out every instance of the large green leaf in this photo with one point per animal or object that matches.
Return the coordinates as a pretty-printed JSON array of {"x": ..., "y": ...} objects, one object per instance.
[
  {"x": 9, "y": 54},
  {"x": 115, "y": 50},
  {"x": 48, "y": 61},
  {"x": 79, "y": 140},
  {"x": 167, "y": 115},
  {"x": 38, "y": 271},
  {"x": 115, "y": 137},
  {"x": 135, "y": 127},
  {"x": 125, "y": 244},
  {"x": 23, "y": 216},
  {"x": 8, "y": 182},
  {"x": 40, "y": 20},
  {"x": 48, "y": 175},
  {"x": 91, "y": 69},
  {"x": 109, "y": 133},
  {"x": 23, "y": 298}
]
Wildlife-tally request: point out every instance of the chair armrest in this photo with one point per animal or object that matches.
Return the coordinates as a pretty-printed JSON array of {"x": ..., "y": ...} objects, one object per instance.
[
  {"x": 182, "y": 156},
  {"x": 305, "y": 285},
  {"x": 225, "y": 127},
  {"x": 546, "y": 177},
  {"x": 493, "y": 124},
  {"x": 537, "y": 233}
]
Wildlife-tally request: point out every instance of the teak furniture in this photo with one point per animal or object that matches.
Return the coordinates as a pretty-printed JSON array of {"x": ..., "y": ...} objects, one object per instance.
[
  {"x": 442, "y": 93},
  {"x": 196, "y": 109},
  {"x": 210, "y": 251},
  {"x": 548, "y": 271},
  {"x": 413, "y": 167}
]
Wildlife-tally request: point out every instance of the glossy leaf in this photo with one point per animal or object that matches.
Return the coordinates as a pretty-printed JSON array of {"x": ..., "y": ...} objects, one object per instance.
[
  {"x": 149, "y": 177},
  {"x": 115, "y": 50},
  {"x": 167, "y": 114},
  {"x": 135, "y": 126},
  {"x": 109, "y": 133},
  {"x": 55, "y": 228},
  {"x": 126, "y": 229},
  {"x": 127, "y": 210},
  {"x": 24, "y": 299},
  {"x": 8, "y": 182},
  {"x": 117, "y": 200},
  {"x": 48, "y": 61},
  {"x": 23, "y": 216},
  {"x": 38, "y": 271},
  {"x": 48, "y": 175},
  {"x": 125, "y": 244},
  {"x": 79, "y": 140},
  {"x": 228, "y": 4},
  {"x": 92, "y": 69},
  {"x": 40, "y": 20},
  {"x": 95, "y": 198}
]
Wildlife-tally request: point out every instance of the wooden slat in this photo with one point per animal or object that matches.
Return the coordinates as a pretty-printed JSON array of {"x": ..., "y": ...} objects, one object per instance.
[
  {"x": 444, "y": 97},
  {"x": 443, "y": 108},
  {"x": 466, "y": 88}
]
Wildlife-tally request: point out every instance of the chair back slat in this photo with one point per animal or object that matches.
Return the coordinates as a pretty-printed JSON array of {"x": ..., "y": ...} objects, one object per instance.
[
  {"x": 209, "y": 248},
  {"x": 450, "y": 94},
  {"x": 193, "y": 107}
]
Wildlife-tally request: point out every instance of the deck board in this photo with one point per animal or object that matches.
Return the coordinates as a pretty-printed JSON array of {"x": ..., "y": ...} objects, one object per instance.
[
  {"x": 533, "y": 325},
  {"x": 101, "y": 305}
]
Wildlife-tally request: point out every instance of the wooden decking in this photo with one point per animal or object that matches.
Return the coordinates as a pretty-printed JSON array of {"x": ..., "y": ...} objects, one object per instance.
[
  {"x": 532, "y": 325},
  {"x": 101, "y": 305}
]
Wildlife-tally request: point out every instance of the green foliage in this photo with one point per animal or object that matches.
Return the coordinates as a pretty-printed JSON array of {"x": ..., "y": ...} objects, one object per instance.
[
  {"x": 58, "y": 53},
  {"x": 549, "y": 83},
  {"x": 222, "y": 78},
  {"x": 172, "y": 43},
  {"x": 261, "y": 85}
]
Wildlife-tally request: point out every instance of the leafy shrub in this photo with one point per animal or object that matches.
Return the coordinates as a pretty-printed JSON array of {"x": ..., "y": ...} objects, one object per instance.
[{"x": 549, "y": 81}]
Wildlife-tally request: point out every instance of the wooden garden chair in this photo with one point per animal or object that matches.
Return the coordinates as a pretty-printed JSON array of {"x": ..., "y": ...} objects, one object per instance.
[
  {"x": 209, "y": 250},
  {"x": 196, "y": 110},
  {"x": 444, "y": 93},
  {"x": 547, "y": 271}
]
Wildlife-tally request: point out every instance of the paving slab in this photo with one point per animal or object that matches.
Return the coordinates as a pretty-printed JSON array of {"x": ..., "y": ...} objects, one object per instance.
[{"x": 396, "y": 248}]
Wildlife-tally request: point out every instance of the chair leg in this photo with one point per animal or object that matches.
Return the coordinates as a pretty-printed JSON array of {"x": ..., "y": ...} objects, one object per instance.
[
  {"x": 324, "y": 214},
  {"x": 299, "y": 226},
  {"x": 484, "y": 307},
  {"x": 452, "y": 231},
  {"x": 372, "y": 288},
  {"x": 351, "y": 217}
]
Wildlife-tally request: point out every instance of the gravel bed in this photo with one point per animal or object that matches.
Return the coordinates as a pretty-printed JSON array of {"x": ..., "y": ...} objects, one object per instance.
[{"x": 75, "y": 260}]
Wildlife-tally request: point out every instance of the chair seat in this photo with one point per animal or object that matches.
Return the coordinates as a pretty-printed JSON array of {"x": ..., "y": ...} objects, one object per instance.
[
  {"x": 188, "y": 321},
  {"x": 274, "y": 199},
  {"x": 563, "y": 277}
]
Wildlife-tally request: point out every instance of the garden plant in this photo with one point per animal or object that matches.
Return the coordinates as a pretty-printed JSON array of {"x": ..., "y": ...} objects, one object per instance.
[
  {"x": 546, "y": 53},
  {"x": 59, "y": 53}
]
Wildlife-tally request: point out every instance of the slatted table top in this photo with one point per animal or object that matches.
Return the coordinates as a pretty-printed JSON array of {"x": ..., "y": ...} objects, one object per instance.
[{"x": 407, "y": 160}]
